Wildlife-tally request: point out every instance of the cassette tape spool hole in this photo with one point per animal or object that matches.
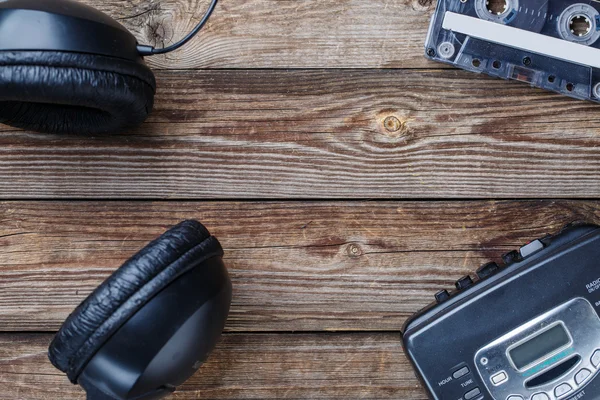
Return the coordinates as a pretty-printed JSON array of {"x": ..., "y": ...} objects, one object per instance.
[
  {"x": 597, "y": 90},
  {"x": 497, "y": 7},
  {"x": 500, "y": 11},
  {"x": 579, "y": 23}
]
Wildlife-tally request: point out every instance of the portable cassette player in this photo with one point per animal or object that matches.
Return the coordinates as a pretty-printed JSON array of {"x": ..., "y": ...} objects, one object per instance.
[{"x": 529, "y": 330}]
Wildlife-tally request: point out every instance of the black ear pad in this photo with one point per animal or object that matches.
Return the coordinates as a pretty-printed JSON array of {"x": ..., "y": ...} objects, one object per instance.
[
  {"x": 60, "y": 92},
  {"x": 117, "y": 299}
]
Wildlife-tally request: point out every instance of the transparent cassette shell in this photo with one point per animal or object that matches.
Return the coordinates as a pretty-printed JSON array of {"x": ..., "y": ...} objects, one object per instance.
[{"x": 550, "y": 44}]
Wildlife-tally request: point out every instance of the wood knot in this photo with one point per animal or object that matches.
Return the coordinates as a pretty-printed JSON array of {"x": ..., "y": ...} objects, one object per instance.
[
  {"x": 354, "y": 250},
  {"x": 422, "y": 5},
  {"x": 159, "y": 31},
  {"x": 392, "y": 124}
]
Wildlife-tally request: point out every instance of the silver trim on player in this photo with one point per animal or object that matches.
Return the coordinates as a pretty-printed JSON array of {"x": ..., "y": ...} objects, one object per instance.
[{"x": 579, "y": 319}]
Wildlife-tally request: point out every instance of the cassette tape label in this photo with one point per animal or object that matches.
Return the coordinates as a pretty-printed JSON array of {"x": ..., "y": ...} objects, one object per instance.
[{"x": 549, "y": 44}]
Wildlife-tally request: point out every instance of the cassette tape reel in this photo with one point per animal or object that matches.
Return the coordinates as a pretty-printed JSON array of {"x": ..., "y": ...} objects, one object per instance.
[{"x": 550, "y": 44}]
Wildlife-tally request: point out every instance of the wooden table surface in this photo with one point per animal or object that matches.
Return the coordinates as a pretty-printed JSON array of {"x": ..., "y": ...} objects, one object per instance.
[{"x": 347, "y": 177}]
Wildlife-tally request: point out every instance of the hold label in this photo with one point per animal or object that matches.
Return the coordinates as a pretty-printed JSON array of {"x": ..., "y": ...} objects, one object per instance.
[{"x": 442, "y": 383}]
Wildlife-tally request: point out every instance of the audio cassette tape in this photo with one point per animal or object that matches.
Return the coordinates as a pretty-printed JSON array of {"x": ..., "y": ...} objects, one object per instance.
[{"x": 550, "y": 44}]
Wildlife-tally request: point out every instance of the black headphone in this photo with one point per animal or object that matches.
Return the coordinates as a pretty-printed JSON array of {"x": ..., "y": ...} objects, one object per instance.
[
  {"x": 68, "y": 68},
  {"x": 152, "y": 323}
]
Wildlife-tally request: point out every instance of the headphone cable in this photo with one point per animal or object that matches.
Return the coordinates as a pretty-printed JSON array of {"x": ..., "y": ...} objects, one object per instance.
[{"x": 145, "y": 50}]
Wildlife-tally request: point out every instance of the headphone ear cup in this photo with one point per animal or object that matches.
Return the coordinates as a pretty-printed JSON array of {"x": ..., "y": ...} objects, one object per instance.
[
  {"x": 58, "y": 92},
  {"x": 127, "y": 290}
]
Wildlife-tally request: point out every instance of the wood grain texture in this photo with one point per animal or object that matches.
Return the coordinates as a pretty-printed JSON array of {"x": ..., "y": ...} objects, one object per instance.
[
  {"x": 244, "y": 366},
  {"x": 323, "y": 134},
  {"x": 295, "y": 266},
  {"x": 281, "y": 33},
  {"x": 230, "y": 124}
]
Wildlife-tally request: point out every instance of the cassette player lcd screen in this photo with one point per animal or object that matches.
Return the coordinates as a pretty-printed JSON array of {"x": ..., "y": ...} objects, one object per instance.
[{"x": 540, "y": 346}]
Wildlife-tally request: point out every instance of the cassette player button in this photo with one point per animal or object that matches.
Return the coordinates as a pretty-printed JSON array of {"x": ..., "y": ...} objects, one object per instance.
[
  {"x": 464, "y": 282},
  {"x": 499, "y": 378},
  {"x": 540, "y": 396},
  {"x": 596, "y": 358},
  {"x": 582, "y": 376},
  {"x": 562, "y": 389},
  {"x": 531, "y": 248},
  {"x": 442, "y": 296},
  {"x": 472, "y": 394},
  {"x": 460, "y": 373},
  {"x": 487, "y": 270},
  {"x": 511, "y": 257}
]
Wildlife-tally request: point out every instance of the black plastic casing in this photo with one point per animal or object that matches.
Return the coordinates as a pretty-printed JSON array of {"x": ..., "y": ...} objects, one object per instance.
[
  {"x": 445, "y": 337},
  {"x": 63, "y": 25},
  {"x": 166, "y": 341}
]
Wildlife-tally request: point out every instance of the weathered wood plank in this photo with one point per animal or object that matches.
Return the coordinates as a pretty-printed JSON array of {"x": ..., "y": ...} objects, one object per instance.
[
  {"x": 245, "y": 366},
  {"x": 323, "y": 134},
  {"x": 281, "y": 33},
  {"x": 296, "y": 266}
]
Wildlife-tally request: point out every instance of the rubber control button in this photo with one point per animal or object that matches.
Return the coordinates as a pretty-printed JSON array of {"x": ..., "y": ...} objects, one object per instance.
[
  {"x": 546, "y": 240},
  {"x": 464, "y": 282},
  {"x": 531, "y": 248},
  {"x": 596, "y": 359},
  {"x": 472, "y": 394},
  {"x": 460, "y": 373},
  {"x": 540, "y": 396},
  {"x": 511, "y": 257},
  {"x": 582, "y": 376},
  {"x": 486, "y": 270},
  {"x": 562, "y": 389},
  {"x": 514, "y": 397},
  {"x": 442, "y": 296}
]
